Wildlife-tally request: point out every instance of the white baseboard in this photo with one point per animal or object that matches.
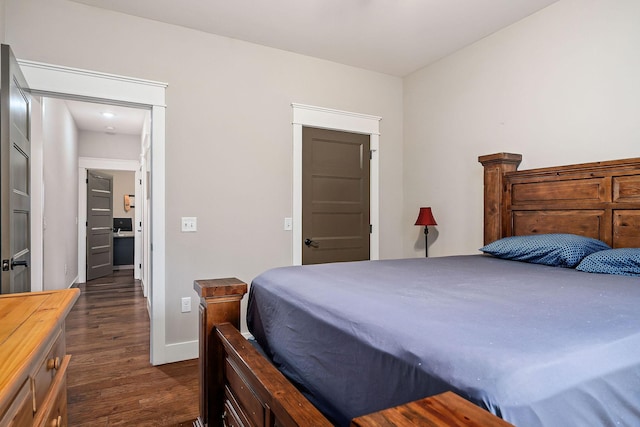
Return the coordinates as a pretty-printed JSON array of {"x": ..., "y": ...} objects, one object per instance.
[
  {"x": 179, "y": 351},
  {"x": 73, "y": 282}
]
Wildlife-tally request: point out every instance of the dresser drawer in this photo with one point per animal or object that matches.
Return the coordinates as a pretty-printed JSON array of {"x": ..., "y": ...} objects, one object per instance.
[
  {"x": 47, "y": 370},
  {"x": 53, "y": 411},
  {"x": 20, "y": 412}
]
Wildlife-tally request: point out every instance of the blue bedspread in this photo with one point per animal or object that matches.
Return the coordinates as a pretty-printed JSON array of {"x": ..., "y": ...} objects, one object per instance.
[{"x": 536, "y": 345}]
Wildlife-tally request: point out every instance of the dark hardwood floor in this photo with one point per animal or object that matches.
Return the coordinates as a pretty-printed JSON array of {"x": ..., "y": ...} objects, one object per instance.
[{"x": 110, "y": 380}]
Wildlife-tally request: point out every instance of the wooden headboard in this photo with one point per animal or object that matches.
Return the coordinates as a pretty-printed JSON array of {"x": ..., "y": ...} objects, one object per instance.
[{"x": 599, "y": 200}]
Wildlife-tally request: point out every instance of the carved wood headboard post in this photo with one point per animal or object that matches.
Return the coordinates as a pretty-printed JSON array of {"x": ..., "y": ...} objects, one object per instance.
[
  {"x": 219, "y": 303},
  {"x": 495, "y": 166}
]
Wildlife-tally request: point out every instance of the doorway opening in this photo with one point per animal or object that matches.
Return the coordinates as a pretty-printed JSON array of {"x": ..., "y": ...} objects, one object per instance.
[{"x": 53, "y": 80}]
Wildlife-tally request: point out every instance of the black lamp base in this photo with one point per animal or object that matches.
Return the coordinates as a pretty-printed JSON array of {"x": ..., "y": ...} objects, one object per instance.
[{"x": 426, "y": 242}]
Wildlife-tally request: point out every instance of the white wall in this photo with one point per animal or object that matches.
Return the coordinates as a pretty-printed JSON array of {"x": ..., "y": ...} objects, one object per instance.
[
  {"x": 60, "y": 158},
  {"x": 123, "y": 183},
  {"x": 143, "y": 209},
  {"x": 229, "y": 132},
  {"x": 559, "y": 87},
  {"x": 105, "y": 146},
  {"x": 3, "y": 7}
]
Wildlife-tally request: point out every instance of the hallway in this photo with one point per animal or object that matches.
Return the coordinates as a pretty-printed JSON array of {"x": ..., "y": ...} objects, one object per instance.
[{"x": 110, "y": 380}]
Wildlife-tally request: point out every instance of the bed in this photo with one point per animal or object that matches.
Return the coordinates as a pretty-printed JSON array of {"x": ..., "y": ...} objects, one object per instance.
[{"x": 533, "y": 344}]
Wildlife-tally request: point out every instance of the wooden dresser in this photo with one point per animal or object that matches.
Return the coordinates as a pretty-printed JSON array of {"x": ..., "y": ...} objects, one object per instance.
[{"x": 33, "y": 359}]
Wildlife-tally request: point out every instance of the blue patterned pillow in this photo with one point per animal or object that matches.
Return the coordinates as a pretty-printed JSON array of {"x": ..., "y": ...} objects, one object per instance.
[
  {"x": 625, "y": 262},
  {"x": 563, "y": 250}
]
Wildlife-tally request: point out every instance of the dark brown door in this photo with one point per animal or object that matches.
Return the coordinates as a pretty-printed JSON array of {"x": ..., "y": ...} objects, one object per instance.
[
  {"x": 99, "y": 224},
  {"x": 14, "y": 177},
  {"x": 335, "y": 196}
]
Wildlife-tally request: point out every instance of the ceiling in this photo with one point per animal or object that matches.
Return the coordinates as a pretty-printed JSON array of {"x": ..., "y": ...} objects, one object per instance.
[
  {"x": 89, "y": 116},
  {"x": 394, "y": 37}
]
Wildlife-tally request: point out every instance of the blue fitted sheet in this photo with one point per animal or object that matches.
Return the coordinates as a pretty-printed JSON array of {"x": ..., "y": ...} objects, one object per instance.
[{"x": 536, "y": 345}]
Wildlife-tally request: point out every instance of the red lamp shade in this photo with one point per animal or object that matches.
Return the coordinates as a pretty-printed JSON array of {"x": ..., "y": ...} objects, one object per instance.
[{"x": 425, "y": 217}]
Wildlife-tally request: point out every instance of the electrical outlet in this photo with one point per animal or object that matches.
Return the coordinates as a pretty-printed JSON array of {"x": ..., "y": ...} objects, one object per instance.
[
  {"x": 189, "y": 224},
  {"x": 186, "y": 304}
]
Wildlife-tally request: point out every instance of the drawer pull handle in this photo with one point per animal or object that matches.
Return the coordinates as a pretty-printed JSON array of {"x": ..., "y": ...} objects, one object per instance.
[
  {"x": 57, "y": 422},
  {"x": 53, "y": 364}
]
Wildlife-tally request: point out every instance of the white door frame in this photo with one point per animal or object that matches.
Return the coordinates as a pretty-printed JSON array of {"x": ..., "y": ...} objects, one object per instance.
[
  {"x": 37, "y": 196},
  {"x": 91, "y": 85},
  {"x": 327, "y": 118},
  {"x": 84, "y": 164}
]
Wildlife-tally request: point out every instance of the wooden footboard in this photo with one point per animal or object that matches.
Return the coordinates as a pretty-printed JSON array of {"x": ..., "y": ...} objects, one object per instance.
[
  {"x": 238, "y": 386},
  {"x": 256, "y": 393}
]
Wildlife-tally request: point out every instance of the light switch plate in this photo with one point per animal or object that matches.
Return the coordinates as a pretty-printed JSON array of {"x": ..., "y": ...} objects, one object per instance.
[
  {"x": 189, "y": 224},
  {"x": 288, "y": 224}
]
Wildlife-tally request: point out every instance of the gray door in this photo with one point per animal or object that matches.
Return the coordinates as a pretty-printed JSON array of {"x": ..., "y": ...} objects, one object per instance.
[
  {"x": 99, "y": 224},
  {"x": 335, "y": 196},
  {"x": 15, "y": 150}
]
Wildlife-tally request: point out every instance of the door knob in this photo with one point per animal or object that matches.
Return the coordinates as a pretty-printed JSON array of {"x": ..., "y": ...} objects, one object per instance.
[
  {"x": 311, "y": 243},
  {"x": 15, "y": 264}
]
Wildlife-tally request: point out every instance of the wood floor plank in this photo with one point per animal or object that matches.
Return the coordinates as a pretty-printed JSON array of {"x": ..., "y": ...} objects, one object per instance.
[{"x": 110, "y": 380}]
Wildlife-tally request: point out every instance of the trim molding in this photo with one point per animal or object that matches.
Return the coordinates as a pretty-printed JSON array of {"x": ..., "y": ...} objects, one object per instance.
[
  {"x": 327, "y": 118},
  {"x": 113, "y": 164},
  {"x": 57, "y": 79},
  {"x": 102, "y": 87},
  {"x": 85, "y": 163}
]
